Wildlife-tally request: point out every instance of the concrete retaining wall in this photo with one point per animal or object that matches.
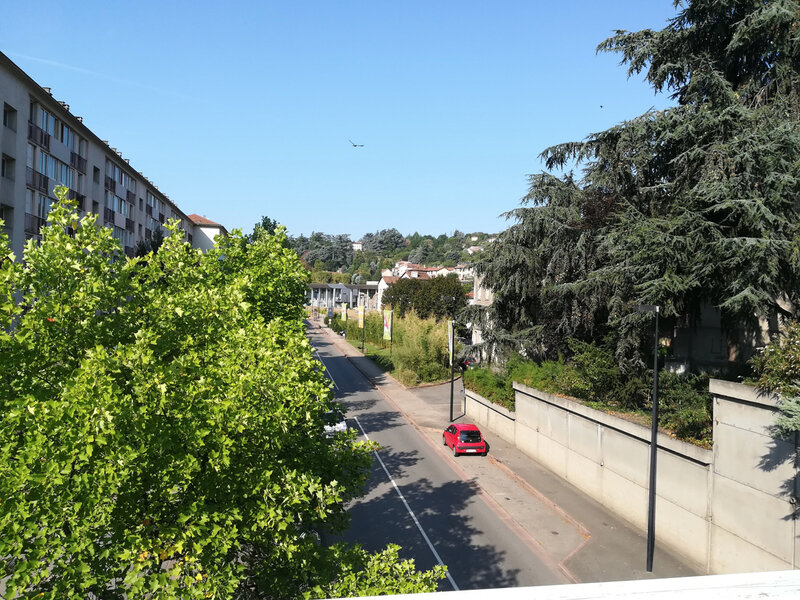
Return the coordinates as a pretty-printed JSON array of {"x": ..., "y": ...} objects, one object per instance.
[{"x": 727, "y": 510}]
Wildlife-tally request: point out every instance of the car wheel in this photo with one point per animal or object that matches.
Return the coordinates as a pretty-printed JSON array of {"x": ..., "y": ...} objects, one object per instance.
[{"x": 455, "y": 452}]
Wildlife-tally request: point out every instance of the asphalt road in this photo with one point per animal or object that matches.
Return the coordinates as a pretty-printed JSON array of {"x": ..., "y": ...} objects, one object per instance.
[{"x": 416, "y": 499}]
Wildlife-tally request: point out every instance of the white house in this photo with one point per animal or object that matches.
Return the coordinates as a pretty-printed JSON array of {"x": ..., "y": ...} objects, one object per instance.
[{"x": 205, "y": 230}]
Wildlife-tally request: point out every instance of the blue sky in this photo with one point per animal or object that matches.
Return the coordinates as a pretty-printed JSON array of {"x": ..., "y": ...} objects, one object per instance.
[{"x": 241, "y": 109}]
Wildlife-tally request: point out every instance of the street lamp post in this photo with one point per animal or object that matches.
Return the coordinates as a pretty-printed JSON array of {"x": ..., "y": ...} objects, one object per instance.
[
  {"x": 651, "y": 503},
  {"x": 452, "y": 350}
]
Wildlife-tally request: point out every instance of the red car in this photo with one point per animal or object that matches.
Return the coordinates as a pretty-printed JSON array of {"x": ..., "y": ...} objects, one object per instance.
[{"x": 464, "y": 438}]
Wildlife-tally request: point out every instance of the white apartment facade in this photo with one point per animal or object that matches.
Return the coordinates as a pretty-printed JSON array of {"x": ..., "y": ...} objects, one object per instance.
[{"x": 44, "y": 145}]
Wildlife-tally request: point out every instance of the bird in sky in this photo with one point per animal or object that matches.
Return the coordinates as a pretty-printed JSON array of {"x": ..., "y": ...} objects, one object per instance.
[{"x": 355, "y": 145}]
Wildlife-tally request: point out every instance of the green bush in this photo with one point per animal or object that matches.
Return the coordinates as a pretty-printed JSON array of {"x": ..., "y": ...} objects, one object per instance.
[
  {"x": 553, "y": 376},
  {"x": 599, "y": 376},
  {"x": 592, "y": 376},
  {"x": 420, "y": 350},
  {"x": 685, "y": 407},
  {"x": 492, "y": 386}
]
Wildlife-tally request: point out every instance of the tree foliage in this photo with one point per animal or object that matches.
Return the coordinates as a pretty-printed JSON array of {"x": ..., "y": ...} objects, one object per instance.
[
  {"x": 161, "y": 426},
  {"x": 694, "y": 204},
  {"x": 426, "y": 297},
  {"x": 778, "y": 368}
]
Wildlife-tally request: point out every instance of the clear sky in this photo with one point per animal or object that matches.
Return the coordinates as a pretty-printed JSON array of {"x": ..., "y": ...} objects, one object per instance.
[{"x": 241, "y": 109}]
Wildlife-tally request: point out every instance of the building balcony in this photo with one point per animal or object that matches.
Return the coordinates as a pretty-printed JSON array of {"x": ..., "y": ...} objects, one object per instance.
[
  {"x": 108, "y": 215},
  {"x": 33, "y": 224},
  {"x": 78, "y": 162},
  {"x": 111, "y": 185},
  {"x": 148, "y": 210},
  {"x": 38, "y": 136},
  {"x": 37, "y": 180},
  {"x": 130, "y": 225},
  {"x": 130, "y": 197}
]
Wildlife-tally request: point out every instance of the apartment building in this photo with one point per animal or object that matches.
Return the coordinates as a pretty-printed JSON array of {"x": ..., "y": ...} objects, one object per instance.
[{"x": 44, "y": 145}]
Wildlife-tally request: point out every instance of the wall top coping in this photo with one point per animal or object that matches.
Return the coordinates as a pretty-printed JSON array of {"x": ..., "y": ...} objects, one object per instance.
[
  {"x": 745, "y": 393},
  {"x": 495, "y": 407},
  {"x": 696, "y": 453}
]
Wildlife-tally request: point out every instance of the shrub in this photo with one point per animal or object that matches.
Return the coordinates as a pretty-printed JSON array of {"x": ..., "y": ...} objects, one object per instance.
[
  {"x": 685, "y": 405},
  {"x": 492, "y": 386},
  {"x": 553, "y": 376},
  {"x": 599, "y": 377},
  {"x": 420, "y": 350}
]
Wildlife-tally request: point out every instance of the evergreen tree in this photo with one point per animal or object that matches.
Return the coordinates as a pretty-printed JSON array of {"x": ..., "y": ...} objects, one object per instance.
[{"x": 696, "y": 203}]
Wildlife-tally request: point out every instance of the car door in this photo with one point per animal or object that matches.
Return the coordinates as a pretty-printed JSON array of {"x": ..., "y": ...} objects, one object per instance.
[{"x": 449, "y": 435}]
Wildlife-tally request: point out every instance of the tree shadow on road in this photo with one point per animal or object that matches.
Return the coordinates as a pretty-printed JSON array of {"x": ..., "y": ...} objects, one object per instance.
[{"x": 380, "y": 518}]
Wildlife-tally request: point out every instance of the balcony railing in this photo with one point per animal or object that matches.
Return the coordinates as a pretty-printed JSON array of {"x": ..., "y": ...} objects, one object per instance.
[
  {"x": 33, "y": 224},
  {"x": 148, "y": 210},
  {"x": 130, "y": 196},
  {"x": 129, "y": 224},
  {"x": 111, "y": 185},
  {"x": 38, "y": 135},
  {"x": 78, "y": 162},
  {"x": 37, "y": 180},
  {"x": 108, "y": 215},
  {"x": 147, "y": 234}
]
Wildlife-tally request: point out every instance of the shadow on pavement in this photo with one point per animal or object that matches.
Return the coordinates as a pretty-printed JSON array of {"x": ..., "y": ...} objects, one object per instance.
[{"x": 441, "y": 511}]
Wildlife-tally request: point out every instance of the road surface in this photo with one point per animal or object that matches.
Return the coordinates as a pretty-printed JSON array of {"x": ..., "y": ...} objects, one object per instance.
[{"x": 418, "y": 498}]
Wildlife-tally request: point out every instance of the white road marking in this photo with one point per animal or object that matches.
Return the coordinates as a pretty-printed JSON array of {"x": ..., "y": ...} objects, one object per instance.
[
  {"x": 410, "y": 512},
  {"x": 327, "y": 371}
]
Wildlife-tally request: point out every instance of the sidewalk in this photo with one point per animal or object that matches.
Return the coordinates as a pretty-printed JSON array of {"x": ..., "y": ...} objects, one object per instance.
[{"x": 586, "y": 541}]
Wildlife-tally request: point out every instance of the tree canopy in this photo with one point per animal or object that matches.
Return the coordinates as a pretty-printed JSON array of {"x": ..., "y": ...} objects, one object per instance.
[
  {"x": 161, "y": 426},
  {"x": 436, "y": 297},
  {"x": 697, "y": 203}
]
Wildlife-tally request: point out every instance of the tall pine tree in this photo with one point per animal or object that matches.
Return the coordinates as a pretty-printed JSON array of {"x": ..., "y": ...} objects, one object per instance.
[{"x": 694, "y": 204}]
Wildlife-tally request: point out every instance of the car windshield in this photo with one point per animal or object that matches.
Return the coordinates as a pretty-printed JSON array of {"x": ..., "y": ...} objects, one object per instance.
[
  {"x": 470, "y": 437},
  {"x": 332, "y": 417}
]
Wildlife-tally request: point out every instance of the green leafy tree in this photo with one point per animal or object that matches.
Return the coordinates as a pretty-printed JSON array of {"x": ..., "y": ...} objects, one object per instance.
[
  {"x": 679, "y": 207},
  {"x": 426, "y": 297},
  {"x": 161, "y": 426}
]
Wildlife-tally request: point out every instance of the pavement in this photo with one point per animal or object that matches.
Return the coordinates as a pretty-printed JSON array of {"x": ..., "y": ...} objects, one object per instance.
[{"x": 586, "y": 542}]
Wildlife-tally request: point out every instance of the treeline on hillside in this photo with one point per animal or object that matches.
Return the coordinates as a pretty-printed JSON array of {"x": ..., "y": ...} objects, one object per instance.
[{"x": 332, "y": 258}]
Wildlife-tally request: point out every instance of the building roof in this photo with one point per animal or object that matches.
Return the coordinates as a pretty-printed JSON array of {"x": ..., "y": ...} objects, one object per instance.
[{"x": 200, "y": 220}]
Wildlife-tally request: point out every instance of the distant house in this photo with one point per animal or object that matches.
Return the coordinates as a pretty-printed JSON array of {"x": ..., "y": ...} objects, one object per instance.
[
  {"x": 383, "y": 285},
  {"x": 464, "y": 272},
  {"x": 205, "y": 230},
  {"x": 357, "y": 246},
  {"x": 474, "y": 249}
]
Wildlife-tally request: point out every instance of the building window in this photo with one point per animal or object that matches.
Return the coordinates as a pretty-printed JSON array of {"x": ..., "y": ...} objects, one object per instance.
[
  {"x": 66, "y": 175},
  {"x": 47, "y": 122},
  {"x": 7, "y": 167},
  {"x": 37, "y": 205},
  {"x": 47, "y": 164},
  {"x": 67, "y": 137},
  {"x": 96, "y": 175},
  {"x": 9, "y": 117}
]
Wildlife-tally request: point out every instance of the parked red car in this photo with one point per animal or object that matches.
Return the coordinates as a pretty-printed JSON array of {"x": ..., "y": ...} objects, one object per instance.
[{"x": 464, "y": 438}]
